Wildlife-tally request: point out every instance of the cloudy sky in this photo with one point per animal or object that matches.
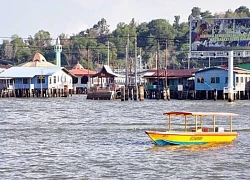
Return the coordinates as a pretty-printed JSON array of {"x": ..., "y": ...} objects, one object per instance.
[{"x": 26, "y": 17}]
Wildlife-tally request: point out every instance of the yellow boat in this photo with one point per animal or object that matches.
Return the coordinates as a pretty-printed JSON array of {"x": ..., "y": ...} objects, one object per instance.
[{"x": 200, "y": 134}]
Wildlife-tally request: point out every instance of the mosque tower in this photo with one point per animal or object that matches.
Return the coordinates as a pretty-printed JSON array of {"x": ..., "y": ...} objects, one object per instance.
[{"x": 58, "y": 50}]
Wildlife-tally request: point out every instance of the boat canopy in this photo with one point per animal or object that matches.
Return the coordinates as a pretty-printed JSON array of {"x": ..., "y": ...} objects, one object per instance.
[{"x": 186, "y": 113}]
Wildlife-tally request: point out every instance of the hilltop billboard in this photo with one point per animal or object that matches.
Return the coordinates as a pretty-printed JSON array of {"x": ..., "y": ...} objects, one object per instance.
[{"x": 220, "y": 34}]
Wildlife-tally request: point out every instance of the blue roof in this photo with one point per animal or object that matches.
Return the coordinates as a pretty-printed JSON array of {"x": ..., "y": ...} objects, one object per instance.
[{"x": 28, "y": 72}]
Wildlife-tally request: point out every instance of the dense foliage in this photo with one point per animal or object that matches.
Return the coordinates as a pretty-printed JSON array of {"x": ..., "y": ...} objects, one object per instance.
[{"x": 171, "y": 41}]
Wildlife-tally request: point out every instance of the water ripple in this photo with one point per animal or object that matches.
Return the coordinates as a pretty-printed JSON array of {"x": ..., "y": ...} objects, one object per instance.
[{"x": 75, "y": 138}]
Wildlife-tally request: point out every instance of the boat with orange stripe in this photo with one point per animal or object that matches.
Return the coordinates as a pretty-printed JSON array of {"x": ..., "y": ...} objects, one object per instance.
[{"x": 204, "y": 129}]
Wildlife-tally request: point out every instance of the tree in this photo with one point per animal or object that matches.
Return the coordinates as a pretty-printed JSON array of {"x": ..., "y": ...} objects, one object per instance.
[
  {"x": 229, "y": 14},
  {"x": 196, "y": 12},
  {"x": 42, "y": 38},
  {"x": 206, "y": 14},
  {"x": 103, "y": 27},
  {"x": 220, "y": 15},
  {"x": 20, "y": 53},
  {"x": 120, "y": 38},
  {"x": 7, "y": 50},
  {"x": 242, "y": 11},
  {"x": 176, "y": 24}
]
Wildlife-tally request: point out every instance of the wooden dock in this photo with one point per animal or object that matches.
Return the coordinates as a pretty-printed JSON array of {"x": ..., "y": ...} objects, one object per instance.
[{"x": 101, "y": 94}]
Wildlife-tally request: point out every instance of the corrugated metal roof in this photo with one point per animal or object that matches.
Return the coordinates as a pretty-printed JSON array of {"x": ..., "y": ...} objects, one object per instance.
[
  {"x": 2, "y": 69},
  {"x": 28, "y": 72},
  {"x": 109, "y": 70},
  {"x": 171, "y": 73},
  {"x": 235, "y": 69},
  {"x": 148, "y": 73},
  {"x": 244, "y": 66}
]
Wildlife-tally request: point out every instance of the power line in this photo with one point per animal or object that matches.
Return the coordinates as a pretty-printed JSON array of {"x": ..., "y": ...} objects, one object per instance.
[{"x": 159, "y": 38}]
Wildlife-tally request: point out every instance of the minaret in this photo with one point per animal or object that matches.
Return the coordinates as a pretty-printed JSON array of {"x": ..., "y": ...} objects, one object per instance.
[{"x": 58, "y": 50}]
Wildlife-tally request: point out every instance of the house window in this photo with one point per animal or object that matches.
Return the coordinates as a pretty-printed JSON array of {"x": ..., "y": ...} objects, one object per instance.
[
  {"x": 40, "y": 79},
  {"x": 215, "y": 80},
  {"x": 241, "y": 79},
  {"x": 84, "y": 80},
  {"x": 212, "y": 80},
  {"x": 200, "y": 80},
  {"x": 75, "y": 80},
  {"x": 245, "y": 79},
  {"x": 237, "y": 79},
  {"x": 12, "y": 81},
  {"x": 25, "y": 80},
  {"x": 226, "y": 80},
  {"x": 54, "y": 79},
  {"x": 50, "y": 80},
  {"x": 180, "y": 81}
]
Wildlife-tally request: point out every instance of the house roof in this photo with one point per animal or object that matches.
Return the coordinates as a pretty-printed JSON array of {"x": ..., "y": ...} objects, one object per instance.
[
  {"x": 38, "y": 60},
  {"x": 29, "y": 72},
  {"x": 82, "y": 72},
  {"x": 171, "y": 73},
  {"x": 235, "y": 69},
  {"x": 78, "y": 66},
  {"x": 2, "y": 69},
  {"x": 106, "y": 71},
  {"x": 78, "y": 70},
  {"x": 244, "y": 66}
]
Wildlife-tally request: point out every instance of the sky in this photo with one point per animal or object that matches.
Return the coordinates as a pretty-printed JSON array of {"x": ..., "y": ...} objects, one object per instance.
[{"x": 27, "y": 17}]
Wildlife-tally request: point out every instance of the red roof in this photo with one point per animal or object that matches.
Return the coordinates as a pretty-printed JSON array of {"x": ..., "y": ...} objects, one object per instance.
[
  {"x": 82, "y": 72},
  {"x": 174, "y": 73},
  {"x": 78, "y": 70}
]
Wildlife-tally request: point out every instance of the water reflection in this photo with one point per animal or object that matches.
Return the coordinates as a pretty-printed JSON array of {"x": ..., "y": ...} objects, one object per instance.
[{"x": 192, "y": 148}]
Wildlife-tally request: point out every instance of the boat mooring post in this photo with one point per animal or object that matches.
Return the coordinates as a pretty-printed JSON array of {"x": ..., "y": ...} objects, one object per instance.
[
  {"x": 123, "y": 94},
  {"x": 230, "y": 77},
  {"x": 215, "y": 94},
  {"x": 141, "y": 93}
]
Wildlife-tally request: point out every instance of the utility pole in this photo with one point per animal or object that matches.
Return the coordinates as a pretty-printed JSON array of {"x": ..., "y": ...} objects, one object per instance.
[
  {"x": 113, "y": 61},
  {"x": 135, "y": 62},
  {"x": 166, "y": 93},
  {"x": 157, "y": 66},
  {"x": 88, "y": 85},
  {"x": 140, "y": 61},
  {"x": 166, "y": 65},
  {"x": 41, "y": 81},
  {"x": 127, "y": 57},
  {"x": 136, "y": 87},
  {"x": 108, "y": 53},
  {"x": 98, "y": 59}
]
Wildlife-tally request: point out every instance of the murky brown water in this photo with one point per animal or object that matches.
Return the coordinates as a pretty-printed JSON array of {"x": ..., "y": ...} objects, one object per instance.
[{"x": 75, "y": 138}]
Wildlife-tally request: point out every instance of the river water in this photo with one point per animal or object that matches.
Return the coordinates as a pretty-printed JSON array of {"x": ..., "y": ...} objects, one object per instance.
[{"x": 75, "y": 138}]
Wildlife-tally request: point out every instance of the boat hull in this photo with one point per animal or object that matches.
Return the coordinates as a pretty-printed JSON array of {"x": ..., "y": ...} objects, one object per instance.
[{"x": 190, "y": 138}]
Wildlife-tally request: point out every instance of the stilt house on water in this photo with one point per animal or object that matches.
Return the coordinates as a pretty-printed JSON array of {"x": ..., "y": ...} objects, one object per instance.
[
  {"x": 179, "y": 81},
  {"x": 37, "y": 78},
  {"x": 81, "y": 79},
  {"x": 212, "y": 83},
  {"x": 105, "y": 87}
]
